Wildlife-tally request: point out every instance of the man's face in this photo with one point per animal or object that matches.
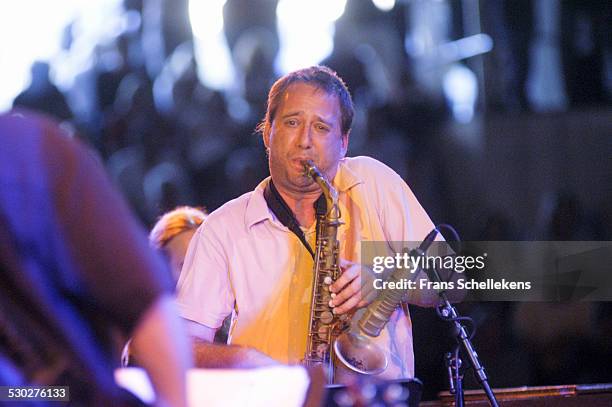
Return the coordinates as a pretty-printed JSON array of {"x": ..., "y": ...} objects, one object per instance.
[{"x": 307, "y": 126}]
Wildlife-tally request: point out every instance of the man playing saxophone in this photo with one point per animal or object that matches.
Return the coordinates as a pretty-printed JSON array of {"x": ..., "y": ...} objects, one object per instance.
[{"x": 254, "y": 256}]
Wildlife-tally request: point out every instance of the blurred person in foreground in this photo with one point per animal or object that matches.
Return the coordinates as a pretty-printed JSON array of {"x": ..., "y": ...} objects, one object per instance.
[
  {"x": 77, "y": 275},
  {"x": 244, "y": 260}
]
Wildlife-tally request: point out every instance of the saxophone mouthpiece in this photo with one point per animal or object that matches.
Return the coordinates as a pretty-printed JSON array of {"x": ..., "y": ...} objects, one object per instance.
[
  {"x": 308, "y": 164},
  {"x": 311, "y": 169}
]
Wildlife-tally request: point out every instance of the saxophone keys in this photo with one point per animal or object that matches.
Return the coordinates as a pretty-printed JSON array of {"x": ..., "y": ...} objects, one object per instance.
[
  {"x": 321, "y": 350},
  {"x": 328, "y": 280},
  {"x": 326, "y": 317},
  {"x": 323, "y": 332}
]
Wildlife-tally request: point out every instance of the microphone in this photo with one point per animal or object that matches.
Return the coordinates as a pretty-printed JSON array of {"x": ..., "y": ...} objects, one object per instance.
[{"x": 377, "y": 314}]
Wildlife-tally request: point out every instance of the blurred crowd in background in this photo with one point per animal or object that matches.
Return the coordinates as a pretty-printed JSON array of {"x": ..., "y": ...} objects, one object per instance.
[{"x": 497, "y": 114}]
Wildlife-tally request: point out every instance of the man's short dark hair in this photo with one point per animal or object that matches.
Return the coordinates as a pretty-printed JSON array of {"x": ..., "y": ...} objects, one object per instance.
[{"x": 321, "y": 77}]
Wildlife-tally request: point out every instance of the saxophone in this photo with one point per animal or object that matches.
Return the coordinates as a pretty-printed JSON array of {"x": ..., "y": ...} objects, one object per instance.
[{"x": 325, "y": 327}]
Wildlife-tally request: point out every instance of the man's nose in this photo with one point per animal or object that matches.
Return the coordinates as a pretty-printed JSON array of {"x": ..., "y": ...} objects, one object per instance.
[{"x": 305, "y": 137}]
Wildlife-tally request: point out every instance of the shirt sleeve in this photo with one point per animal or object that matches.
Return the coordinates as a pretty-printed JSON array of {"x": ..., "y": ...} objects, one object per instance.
[
  {"x": 402, "y": 216},
  {"x": 406, "y": 221},
  {"x": 204, "y": 292}
]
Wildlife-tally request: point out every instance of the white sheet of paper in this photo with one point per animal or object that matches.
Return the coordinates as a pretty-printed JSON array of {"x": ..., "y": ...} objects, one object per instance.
[{"x": 284, "y": 386}]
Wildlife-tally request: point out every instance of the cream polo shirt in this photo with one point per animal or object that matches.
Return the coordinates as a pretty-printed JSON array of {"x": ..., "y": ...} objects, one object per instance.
[{"x": 242, "y": 259}]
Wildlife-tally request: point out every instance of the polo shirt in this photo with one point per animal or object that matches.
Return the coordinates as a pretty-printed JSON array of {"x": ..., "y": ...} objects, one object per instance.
[{"x": 244, "y": 260}]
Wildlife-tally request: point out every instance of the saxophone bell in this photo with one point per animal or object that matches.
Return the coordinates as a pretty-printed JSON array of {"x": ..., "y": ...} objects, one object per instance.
[{"x": 360, "y": 354}]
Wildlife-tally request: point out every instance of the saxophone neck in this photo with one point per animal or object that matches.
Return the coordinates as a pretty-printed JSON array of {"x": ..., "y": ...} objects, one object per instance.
[{"x": 329, "y": 192}]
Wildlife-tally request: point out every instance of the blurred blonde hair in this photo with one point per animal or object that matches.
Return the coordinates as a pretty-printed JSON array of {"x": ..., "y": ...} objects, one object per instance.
[{"x": 174, "y": 222}]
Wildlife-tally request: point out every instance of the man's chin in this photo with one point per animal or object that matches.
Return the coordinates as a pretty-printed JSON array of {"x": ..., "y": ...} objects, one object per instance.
[{"x": 303, "y": 184}]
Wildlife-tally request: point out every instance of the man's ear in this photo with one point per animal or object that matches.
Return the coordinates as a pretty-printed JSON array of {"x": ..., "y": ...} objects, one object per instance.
[
  {"x": 266, "y": 135},
  {"x": 345, "y": 141}
]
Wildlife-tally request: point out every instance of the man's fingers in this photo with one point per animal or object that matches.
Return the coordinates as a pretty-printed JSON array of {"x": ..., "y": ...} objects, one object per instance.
[
  {"x": 348, "y": 275},
  {"x": 347, "y": 305},
  {"x": 351, "y": 290},
  {"x": 347, "y": 289},
  {"x": 343, "y": 263}
]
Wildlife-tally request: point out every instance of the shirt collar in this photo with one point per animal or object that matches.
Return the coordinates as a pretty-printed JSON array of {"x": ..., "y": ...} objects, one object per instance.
[{"x": 257, "y": 209}]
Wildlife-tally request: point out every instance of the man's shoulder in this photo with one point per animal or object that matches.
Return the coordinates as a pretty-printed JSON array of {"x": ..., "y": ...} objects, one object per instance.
[
  {"x": 240, "y": 212},
  {"x": 231, "y": 209},
  {"x": 369, "y": 169}
]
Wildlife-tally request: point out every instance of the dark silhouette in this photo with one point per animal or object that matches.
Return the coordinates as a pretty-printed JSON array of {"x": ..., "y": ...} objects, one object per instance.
[{"x": 42, "y": 95}]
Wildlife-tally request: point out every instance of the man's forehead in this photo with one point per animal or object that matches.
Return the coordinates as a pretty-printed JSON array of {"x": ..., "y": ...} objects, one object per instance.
[{"x": 302, "y": 88}]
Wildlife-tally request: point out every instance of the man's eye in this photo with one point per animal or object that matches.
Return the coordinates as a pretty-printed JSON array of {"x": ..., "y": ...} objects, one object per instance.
[
  {"x": 292, "y": 122},
  {"x": 321, "y": 127}
]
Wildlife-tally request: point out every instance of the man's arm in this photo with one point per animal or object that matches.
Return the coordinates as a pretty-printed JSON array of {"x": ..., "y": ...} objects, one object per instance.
[
  {"x": 429, "y": 297},
  {"x": 405, "y": 220},
  {"x": 162, "y": 350},
  {"x": 204, "y": 285},
  {"x": 210, "y": 355}
]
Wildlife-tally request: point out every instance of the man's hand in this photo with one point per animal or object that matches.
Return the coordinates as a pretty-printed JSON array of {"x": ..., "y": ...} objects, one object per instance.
[{"x": 348, "y": 293}]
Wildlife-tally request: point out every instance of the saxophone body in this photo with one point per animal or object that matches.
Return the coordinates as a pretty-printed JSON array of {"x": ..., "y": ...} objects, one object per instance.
[
  {"x": 329, "y": 337},
  {"x": 324, "y": 325}
]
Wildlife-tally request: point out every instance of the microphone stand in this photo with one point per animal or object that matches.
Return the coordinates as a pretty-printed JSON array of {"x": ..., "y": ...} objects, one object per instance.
[
  {"x": 455, "y": 376},
  {"x": 449, "y": 313}
]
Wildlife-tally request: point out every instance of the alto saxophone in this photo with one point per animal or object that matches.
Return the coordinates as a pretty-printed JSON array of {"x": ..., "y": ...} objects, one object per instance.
[{"x": 325, "y": 326}]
